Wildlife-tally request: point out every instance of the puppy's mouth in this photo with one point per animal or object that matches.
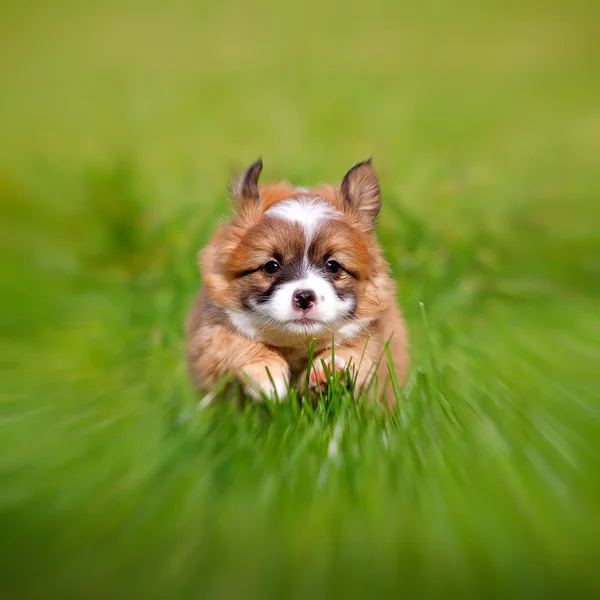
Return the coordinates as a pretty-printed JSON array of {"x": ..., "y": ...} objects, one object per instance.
[
  {"x": 299, "y": 324},
  {"x": 305, "y": 321}
]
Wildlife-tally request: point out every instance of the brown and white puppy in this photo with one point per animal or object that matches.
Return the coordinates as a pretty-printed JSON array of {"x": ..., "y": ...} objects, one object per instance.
[{"x": 294, "y": 268}]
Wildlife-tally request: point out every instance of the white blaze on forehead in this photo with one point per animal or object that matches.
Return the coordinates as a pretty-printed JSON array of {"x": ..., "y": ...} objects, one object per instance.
[{"x": 308, "y": 212}]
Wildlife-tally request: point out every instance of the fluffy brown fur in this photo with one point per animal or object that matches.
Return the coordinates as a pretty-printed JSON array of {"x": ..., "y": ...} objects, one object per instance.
[{"x": 234, "y": 281}]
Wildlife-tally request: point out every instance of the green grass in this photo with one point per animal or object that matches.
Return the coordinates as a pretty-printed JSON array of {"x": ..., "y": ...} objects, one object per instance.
[{"x": 120, "y": 126}]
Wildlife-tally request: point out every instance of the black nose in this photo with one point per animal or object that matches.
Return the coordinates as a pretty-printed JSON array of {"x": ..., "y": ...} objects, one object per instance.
[{"x": 304, "y": 299}]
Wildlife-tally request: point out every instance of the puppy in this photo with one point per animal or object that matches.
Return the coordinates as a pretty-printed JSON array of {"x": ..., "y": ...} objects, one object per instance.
[{"x": 294, "y": 270}]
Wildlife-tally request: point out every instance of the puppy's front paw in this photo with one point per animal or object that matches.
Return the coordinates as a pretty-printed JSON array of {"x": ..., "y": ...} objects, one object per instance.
[
  {"x": 322, "y": 370},
  {"x": 258, "y": 382}
]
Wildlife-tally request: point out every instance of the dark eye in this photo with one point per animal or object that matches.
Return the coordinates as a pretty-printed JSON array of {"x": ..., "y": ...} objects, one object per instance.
[
  {"x": 271, "y": 267},
  {"x": 333, "y": 267}
]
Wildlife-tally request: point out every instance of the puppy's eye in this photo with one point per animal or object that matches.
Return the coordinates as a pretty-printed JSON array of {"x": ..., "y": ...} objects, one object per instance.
[
  {"x": 271, "y": 267},
  {"x": 333, "y": 267}
]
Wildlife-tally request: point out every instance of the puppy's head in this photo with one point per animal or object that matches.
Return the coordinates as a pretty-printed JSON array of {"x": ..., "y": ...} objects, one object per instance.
[{"x": 295, "y": 262}]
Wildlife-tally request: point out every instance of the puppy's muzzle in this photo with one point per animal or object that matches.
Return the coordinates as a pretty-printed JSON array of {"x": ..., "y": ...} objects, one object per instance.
[{"x": 304, "y": 299}]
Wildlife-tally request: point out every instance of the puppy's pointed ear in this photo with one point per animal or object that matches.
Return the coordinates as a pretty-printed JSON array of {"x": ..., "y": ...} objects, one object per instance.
[
  {"x": 361, "y": 195},
  {"x": 244, "y": 190}
]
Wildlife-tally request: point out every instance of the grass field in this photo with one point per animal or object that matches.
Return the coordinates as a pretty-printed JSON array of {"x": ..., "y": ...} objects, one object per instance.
[{"x": 120, "y": 125}]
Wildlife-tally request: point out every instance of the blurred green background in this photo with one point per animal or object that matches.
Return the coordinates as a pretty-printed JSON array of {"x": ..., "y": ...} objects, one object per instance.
[{"x": 120, "y": 126}]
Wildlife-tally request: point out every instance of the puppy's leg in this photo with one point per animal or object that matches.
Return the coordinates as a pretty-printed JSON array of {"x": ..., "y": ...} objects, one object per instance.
[
  {"x": 343, "y": 360},
  {"x": 324, "y": 367},
  {"x": 363, "y": 362},
  {"x": 215, "y": 351},
  {"x": 270, "y": 378}
]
